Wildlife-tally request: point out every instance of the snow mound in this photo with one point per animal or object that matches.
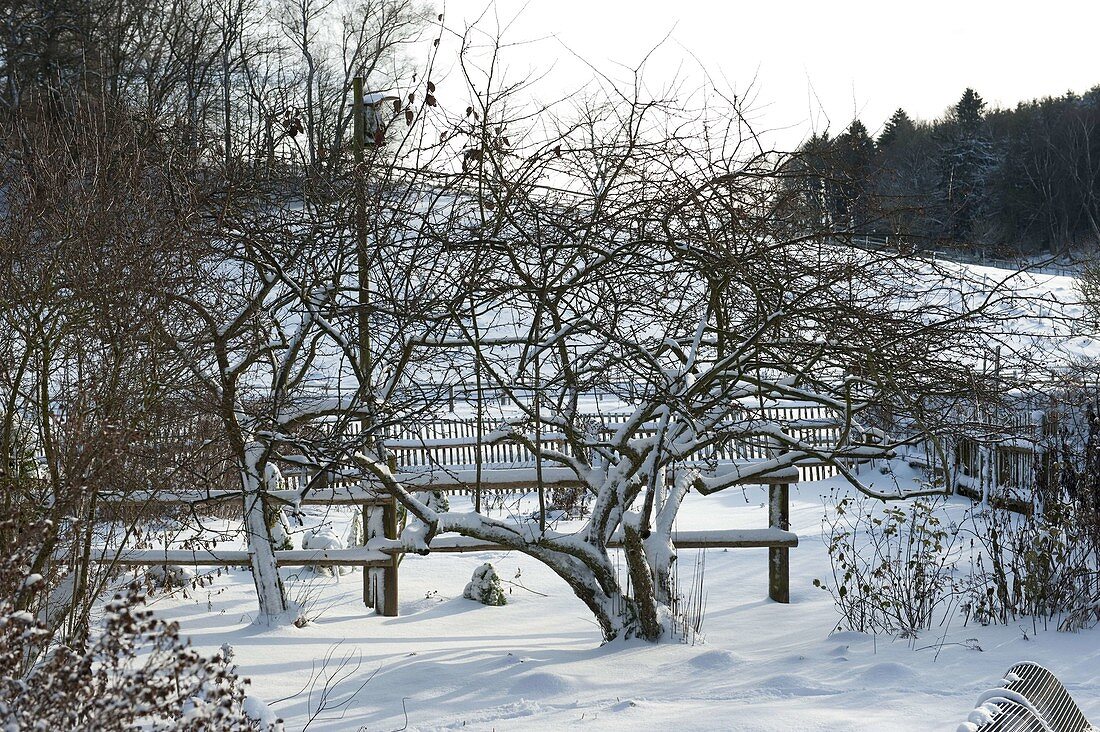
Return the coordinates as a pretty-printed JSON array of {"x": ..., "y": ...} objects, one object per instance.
[
  {"x": 511, "y": 659},
  {"x": 888, "y": 672},
  {"x": 259, "y": 712},
  {"x": 625, "y": 705},
  {"x": 540, "y": 684},
  {"x": 715, "y": 661}
]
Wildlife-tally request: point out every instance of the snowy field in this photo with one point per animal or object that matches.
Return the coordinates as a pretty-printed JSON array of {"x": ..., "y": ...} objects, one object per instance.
[{"x": 537, "y": 663}]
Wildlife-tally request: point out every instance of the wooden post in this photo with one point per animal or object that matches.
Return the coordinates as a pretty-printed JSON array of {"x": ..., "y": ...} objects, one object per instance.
[
  {"x": 370, "y": 575},
  {"x": 389, "y": 574},
  {"x": 380, "y": 583},
  {"x": 779, "y": 558}
]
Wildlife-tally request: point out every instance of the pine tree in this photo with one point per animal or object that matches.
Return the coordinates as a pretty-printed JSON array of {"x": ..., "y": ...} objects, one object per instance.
[
  {"x": 856, "y": 147},
  {"x": 967, "y": 157},
  {"x": 811, "y": 174},
  {"x": 905, "y": 177},
  {"x": 855, "y": 152},
  {"x": 899, "y": 129},
  {"x": 969, "y": 110}
]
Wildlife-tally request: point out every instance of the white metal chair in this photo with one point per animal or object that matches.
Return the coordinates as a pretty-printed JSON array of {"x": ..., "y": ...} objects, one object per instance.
[{"x": 1030, "y": 699}]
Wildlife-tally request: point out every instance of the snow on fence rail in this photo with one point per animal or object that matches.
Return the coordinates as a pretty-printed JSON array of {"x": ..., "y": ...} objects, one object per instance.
[{"x": 444, "y": 543}]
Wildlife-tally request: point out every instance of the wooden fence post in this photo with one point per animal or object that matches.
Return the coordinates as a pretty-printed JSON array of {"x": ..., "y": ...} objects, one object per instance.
[
  {"x": 370, "y": 575},
  {"x": 779, "y": 558},
  {"x": 380, "y": 584},
  {"x": 389, "y": 573}
]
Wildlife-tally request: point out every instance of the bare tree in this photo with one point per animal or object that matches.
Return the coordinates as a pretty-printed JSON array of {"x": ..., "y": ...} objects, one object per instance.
[
  {"x": 653, "y": 251},
  {"x": 90, "y": 246},
  {"x": 639, "y": 245}
]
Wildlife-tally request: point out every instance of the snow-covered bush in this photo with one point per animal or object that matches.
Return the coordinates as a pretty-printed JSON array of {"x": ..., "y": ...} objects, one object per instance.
[
  {"x": 134, "y": 672},
  {"x": 169, "y": 576},
  {"x": 138, "y": 673},
  {"x": 485, "y": 587},
  {"x": 323, "y": 538},
  {"x": 436, "y": 500}
]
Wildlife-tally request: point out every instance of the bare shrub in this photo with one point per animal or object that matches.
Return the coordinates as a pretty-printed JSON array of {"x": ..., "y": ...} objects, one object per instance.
[
  {"x": 136, "y": 673},
  {"x": 1042, "y": 566},
  {"x": 897, "y": 568},
  {"x": 571, "y": 501},
  {"x": 892, "y": 567}
]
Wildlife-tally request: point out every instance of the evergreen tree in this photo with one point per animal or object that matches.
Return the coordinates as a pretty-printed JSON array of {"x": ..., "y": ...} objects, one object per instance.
[
  {"x": 969, "y": 110},
  {"x": 1022, "y": 177},
  {"x": 855, "y": 154},
  {"x": 899, "y": 129},
  {"x": 966, "y": 158},
  {"x": 857, "y": 142},
  {"x": 811, "y": 175}
]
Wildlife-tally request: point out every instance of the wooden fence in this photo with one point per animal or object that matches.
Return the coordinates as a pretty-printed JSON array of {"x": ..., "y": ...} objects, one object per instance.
[
  {"x": 451, "y": 455},
  {"x": 456, "y": 447}
]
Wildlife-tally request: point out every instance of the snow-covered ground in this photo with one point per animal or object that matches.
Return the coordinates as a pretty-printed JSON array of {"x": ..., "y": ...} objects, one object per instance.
[{"x": 537, "y": 663}]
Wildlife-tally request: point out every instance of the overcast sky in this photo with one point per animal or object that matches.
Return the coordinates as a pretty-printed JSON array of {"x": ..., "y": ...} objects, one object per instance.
[{"x": 819, "y": 64}]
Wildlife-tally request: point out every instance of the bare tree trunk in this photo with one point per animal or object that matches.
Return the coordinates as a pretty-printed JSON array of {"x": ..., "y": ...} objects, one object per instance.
[
  {"x": 270, "y": 593},
  {"x": 645, "y": 599}
]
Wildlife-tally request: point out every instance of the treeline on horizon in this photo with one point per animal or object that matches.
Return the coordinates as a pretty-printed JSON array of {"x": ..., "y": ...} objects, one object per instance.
[
  {"x": 1019, "y": 180},
  {"x": 249, "y": 88},
  {"x": 260, "y": 89}
]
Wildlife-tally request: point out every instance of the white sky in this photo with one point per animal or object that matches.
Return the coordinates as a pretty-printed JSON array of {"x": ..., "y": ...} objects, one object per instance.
[{"x": 820, "y": 63}]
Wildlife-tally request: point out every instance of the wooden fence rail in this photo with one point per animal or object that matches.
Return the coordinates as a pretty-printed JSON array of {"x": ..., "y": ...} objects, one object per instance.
[{"x": 442, "y": 544}]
